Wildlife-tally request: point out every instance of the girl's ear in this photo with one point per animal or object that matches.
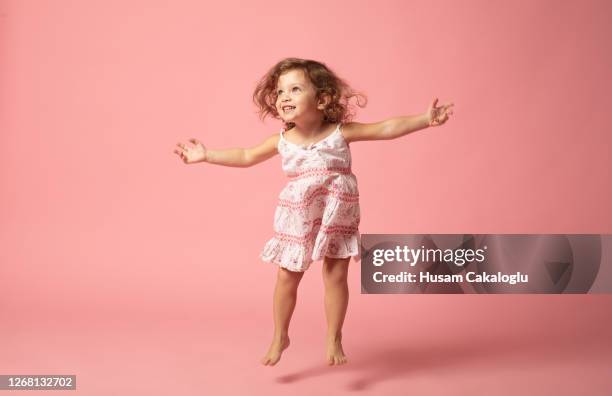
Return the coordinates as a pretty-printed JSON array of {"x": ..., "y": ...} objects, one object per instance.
[{"x": 324, "y": 100}]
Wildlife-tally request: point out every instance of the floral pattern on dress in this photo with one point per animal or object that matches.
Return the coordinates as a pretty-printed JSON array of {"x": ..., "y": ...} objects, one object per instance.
[{"x": 318, "y": 210}]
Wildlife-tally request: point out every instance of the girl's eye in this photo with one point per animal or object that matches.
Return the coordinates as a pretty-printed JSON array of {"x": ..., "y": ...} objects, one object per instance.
[{"x": 279, "y": 92}]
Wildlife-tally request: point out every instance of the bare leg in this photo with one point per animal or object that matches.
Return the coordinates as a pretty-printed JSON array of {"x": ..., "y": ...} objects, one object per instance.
[
  {"x": 335, "y": 271},
  {"x": 285, "y": 296}
]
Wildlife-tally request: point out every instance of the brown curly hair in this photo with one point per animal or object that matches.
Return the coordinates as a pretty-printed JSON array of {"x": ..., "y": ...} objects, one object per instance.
[{"x": 325, "y": 82}]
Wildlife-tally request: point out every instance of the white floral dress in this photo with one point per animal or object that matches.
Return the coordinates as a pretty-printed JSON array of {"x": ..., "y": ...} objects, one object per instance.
[{"x": 318, "y": 211}]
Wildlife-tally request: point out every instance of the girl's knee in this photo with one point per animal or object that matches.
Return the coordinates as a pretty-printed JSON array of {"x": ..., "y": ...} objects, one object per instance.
[
  {"x": 335, "y": 270},
  {"x": 289, "y": 277}
]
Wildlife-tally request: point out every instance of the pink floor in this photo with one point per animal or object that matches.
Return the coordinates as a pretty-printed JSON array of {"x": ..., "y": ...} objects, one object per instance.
[{"x": 459, "y": 345}]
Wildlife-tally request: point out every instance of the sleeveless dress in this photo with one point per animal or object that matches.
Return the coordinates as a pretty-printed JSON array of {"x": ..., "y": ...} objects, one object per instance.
[{"x": 318, "y": 210}]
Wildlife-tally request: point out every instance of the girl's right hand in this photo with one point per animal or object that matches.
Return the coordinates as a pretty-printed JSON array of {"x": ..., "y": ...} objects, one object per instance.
[{"x": 190, "y": 155}]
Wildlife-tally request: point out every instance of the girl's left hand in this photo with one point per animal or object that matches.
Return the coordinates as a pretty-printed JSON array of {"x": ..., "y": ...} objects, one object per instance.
[{"x": 439, "y": 115}]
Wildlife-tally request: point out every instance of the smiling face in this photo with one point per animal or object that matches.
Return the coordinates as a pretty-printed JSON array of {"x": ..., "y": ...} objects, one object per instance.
[{"x": 295, "y": 90}]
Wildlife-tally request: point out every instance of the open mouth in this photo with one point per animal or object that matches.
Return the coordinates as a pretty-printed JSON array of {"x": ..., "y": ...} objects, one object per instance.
[{"x": 288, "y": 109}]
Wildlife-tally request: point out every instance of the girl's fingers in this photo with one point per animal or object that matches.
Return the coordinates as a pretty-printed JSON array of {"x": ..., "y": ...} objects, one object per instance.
[
  {"x": 182, "y": 155},
  {"x": 197, "y": 143}
]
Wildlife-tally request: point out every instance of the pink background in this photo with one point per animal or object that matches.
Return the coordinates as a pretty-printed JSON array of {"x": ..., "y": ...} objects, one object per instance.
[{"x": 140, "y": 274}]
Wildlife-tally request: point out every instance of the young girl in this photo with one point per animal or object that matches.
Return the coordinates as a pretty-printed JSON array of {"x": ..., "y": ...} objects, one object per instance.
[{"x": 318, "y": 215}]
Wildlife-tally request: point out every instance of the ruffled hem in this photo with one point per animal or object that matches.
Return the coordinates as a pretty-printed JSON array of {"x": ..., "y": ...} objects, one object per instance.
[
  {"x": 288, "y": 255},
  {"x": 337, "y": 246},
  {"x": 297, "y": 257}
]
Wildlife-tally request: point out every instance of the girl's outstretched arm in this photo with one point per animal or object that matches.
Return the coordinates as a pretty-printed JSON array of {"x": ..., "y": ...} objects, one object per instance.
[
  {"x": 263, "y": 151},
  {"x": 393, "y": 128},
  {"x": 237, "y": 157}
]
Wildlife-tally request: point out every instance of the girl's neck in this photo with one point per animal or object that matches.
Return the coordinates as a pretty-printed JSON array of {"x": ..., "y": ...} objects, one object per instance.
[{"x": 311, "y": 129}]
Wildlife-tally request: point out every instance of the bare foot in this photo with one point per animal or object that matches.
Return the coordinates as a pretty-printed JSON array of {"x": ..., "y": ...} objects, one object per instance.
[
  {"x": 335, "y": 353},
  {"x": 275, "y": 352}
]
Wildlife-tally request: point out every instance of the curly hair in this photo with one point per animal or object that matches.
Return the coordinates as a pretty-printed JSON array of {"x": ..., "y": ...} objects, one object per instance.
[{"x": 325, "y": 82}]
